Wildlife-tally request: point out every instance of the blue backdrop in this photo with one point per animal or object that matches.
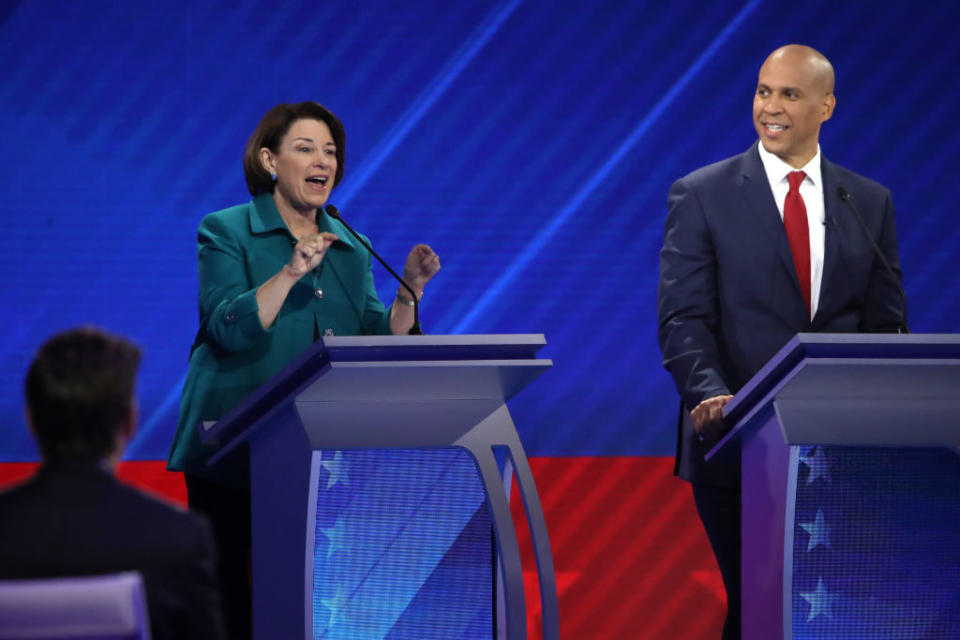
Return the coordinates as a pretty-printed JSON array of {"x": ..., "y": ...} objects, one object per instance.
[{"x": 531, "y": 144}]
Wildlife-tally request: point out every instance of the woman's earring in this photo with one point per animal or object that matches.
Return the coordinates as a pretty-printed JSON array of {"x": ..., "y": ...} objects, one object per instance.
[{"x": 273, "y": 176}]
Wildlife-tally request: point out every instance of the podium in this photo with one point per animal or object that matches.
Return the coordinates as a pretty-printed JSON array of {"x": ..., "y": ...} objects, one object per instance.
[
  {"x": 850, "y": 488},
  {"x": 405, "y": 394}
]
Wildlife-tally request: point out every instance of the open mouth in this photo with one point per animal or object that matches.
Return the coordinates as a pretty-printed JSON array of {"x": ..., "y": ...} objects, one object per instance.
[
  {"x": 318, "y": 180},
  {"x": 774, "y": 128}
]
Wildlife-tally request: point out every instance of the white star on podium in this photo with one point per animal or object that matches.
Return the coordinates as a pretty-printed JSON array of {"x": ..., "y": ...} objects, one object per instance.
[
  {"x": 336, "y": 534},
  {"x": 818, "y": 530},
  {"x": 821, "y": 601},
  {"x": 335, "y": 605},
  {"x": 336, "y": 468},
  {"x": 818, "y": 465}
]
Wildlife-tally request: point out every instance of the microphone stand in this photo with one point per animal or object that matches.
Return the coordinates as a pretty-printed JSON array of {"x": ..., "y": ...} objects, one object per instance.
[
  {"x": 415, "y": 330},
  {"x": 848, "y": 200}
]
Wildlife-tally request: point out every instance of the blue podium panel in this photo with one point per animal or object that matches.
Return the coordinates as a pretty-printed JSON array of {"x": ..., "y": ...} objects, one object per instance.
[
  {"x": 875, "y": 544},
  {"x": 402, "y": 546}
]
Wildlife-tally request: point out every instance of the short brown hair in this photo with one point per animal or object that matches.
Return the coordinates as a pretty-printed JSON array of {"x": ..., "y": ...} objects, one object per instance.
[
  {"x": 79, "y": 392},
  {"x": 273, "y": 126}
]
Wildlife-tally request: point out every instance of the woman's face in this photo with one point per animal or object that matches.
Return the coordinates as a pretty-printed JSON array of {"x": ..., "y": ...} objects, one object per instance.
[{"x": 305, "y": 164}]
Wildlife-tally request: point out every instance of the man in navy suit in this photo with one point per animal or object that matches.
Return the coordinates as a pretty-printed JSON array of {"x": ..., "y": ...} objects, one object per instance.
[
  {"x": 73, "y": 518},
  {"x": 757, "y": 248}
]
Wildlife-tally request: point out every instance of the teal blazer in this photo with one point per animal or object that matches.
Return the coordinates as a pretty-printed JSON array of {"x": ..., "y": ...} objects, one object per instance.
[{"x": 238, "y": 250}]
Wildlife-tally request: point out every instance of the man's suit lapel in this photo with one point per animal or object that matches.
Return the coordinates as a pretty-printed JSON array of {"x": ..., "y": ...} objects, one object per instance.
[
  {"x": 756, "y": 190},
  {"x": 831, "y": 249}
]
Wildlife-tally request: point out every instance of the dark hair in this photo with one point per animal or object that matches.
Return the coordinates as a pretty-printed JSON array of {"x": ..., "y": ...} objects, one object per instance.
[
  {"x": 273, "y": 126},
  {"x": 79, "y": 392}
]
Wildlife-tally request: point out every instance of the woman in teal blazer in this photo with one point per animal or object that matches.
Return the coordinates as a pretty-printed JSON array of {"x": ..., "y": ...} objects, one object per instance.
[{"x": 275, "y": 274}]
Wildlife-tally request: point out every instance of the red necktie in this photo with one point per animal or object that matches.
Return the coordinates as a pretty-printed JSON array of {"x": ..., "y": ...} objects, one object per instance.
[{"x": 798, "y": 233}]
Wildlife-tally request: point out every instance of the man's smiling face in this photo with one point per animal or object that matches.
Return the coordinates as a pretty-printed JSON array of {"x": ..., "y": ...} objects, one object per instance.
[{"x": 794, "y": 97}]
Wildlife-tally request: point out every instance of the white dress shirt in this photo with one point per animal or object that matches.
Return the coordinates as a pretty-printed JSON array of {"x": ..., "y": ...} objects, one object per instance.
[{"x": 811, "y": 190}]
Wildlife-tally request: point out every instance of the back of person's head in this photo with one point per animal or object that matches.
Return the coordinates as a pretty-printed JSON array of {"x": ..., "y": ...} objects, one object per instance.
[{"x": 80, "y": 393}]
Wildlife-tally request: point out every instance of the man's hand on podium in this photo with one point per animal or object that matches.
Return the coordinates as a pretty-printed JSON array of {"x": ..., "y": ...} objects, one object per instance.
[{"x": 707, "y": 416}]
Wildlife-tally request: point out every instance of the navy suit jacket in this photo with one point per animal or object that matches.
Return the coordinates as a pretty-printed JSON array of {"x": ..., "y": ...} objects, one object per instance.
[
  {"x": 75, "y": 520},
  {"x": 729, "y": 298}
]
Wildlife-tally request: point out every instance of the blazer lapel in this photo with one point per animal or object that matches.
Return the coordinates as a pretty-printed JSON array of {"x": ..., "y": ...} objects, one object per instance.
[
  {"x": 342, "y": 261},
  {"x": 756, "y": 190},
  {"x": 831, "y": 248},
  {"x": 264, "y": 216}
]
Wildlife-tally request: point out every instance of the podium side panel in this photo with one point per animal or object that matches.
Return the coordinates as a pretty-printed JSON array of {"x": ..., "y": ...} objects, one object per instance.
[
  {"x": 279, "y": 497},
  {"x": 764, "y": 476}
]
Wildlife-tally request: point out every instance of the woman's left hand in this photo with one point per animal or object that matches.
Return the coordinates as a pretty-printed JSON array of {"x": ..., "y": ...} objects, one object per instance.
[{"x": 422, "y": 264}]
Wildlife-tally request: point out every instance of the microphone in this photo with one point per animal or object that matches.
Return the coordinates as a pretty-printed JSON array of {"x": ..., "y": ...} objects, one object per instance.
[
  {"x": 415, "y": 330},
  {"x": 848, "y": 200}
]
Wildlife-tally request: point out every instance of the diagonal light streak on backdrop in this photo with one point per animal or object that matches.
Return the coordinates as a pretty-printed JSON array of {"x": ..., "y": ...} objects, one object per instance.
[
  {"x": 539, "y": 241},
  {"x": 411, "y": 117},
  {"x": 171, "y": 399},
  {"x": 427, "y": 98}
]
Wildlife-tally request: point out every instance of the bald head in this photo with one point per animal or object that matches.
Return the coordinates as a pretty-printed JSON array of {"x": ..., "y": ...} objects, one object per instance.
[
  {"x": 794, "y": 97},
  {"x": 807, "y": 61}
]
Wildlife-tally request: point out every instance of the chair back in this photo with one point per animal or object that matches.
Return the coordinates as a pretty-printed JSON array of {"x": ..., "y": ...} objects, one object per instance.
[{"x": 110, "y": 607}]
